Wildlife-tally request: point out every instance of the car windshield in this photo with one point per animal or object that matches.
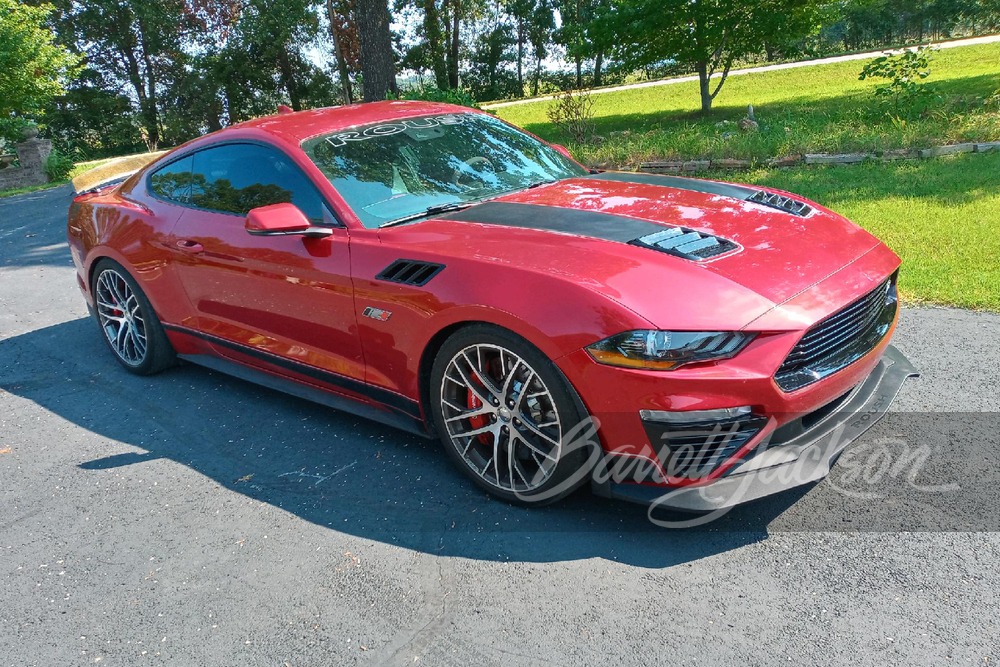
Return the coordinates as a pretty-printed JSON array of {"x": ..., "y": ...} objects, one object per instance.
[{"x": 397, "y": 170}]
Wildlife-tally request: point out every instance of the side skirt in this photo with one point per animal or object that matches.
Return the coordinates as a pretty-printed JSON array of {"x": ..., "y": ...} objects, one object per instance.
[{"x": 287, "y": 386}]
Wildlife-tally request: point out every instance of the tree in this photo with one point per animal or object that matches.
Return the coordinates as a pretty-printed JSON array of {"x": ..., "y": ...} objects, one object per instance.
[
  {"x": 33, "y": 67},
  {"x": 378, "y": 62},
  {"x": 707, "y": 35},
  {"x": 539, "y": 34},
  {"x": 344, "y": 32},
  {"x": 133, "y": 40}
]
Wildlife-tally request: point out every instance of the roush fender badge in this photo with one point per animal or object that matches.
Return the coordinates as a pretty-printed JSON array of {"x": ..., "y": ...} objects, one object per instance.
[{"x": 377, "y": 314}]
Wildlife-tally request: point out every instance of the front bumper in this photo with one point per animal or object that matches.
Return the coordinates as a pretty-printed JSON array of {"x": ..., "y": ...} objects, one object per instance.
[{"x": 800, "y": 459}]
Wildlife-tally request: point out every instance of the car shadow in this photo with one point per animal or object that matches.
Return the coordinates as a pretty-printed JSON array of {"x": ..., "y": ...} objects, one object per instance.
[{"x": 330, "y": 468}]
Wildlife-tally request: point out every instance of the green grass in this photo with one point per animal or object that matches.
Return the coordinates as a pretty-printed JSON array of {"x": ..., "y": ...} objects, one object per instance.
[
  {"x": 823, "y": 108},
  {"x": 78, "y": 169},
  {"x": 942, "y": 217}
]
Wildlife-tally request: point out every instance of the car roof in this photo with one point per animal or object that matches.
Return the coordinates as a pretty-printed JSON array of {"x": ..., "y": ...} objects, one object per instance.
[{"x": 300, "y": 125}]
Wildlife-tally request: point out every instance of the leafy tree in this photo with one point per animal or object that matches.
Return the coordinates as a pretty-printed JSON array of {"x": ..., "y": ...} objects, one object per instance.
[
  {"x": 344, "y": 33},
  {"x": 33, "y": 67},
  {"x": 93, "y": 119},
  {"x": 708, "y": 35},
  {"x": 134, "y": 41},
  {"x": 539, "y": 34}
]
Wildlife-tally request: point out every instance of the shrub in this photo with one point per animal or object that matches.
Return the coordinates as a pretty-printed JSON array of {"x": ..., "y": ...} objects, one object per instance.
[
  {"x": 573, "y": 114},
  {"x": 434, "y": 94},
  {"x": 905, "y": 72},
  {"x": 58, "y": 166}
]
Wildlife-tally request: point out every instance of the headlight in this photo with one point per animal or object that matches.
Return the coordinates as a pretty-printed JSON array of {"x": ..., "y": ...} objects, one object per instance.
[{"x": 666, "y": 350}]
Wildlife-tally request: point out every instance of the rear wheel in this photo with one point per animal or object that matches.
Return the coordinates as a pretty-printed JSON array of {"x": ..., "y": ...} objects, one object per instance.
[
  {"x": 127, "y": 321},
  {"x": 504, "y": 411}
]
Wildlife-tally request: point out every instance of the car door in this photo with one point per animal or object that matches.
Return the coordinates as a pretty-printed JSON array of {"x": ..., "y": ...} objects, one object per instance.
[{"x": 281, "y": 302}]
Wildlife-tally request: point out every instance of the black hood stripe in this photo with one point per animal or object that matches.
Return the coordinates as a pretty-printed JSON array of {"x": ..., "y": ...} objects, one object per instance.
[
  {"x": 677, "y": 182},
  {"x": 593, "y": 224},
  {"x": 671, "y": 239}
]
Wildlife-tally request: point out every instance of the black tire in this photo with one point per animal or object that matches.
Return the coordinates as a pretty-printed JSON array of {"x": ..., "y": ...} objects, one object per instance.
[
  {"x": 570, "y": 469},
  {"x": 159, "y": 354}
]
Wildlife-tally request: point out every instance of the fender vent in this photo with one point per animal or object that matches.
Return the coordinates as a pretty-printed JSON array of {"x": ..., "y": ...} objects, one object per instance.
[
  {"x": 410, "y": 272},
  {"x": 780, "y": 202},
  {"x": 686, "y": 243}
]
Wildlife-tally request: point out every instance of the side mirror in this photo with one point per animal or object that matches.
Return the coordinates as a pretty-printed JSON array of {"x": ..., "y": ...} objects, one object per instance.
[
  {"x": 564, "y": 151},
  {"x": 282, "y": 220}
]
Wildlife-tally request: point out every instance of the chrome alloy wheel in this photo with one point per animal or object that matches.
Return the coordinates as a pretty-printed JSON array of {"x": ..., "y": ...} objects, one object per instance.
[
  {"x": 120, "y": 317},
  {"x": 501, "y": 417}
]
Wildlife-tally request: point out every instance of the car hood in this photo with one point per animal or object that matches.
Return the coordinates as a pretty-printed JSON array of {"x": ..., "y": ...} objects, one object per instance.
[{"x": 585, "y": 228}]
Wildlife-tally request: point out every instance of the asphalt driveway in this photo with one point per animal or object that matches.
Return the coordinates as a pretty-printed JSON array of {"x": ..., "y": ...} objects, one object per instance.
[{"x": 194, "y": 519}]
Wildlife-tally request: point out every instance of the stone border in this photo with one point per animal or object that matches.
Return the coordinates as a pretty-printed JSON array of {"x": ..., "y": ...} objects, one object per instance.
[{"x": 729, "y": 164}]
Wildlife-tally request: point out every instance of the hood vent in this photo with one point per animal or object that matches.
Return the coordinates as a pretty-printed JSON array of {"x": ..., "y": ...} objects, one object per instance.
[
  {"x": 409, "y": 272},
  {"x": 780, "y": 202},
  {"x": 686, "y": 243}
]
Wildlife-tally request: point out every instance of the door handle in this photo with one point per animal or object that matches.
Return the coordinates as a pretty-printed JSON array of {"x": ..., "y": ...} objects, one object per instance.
[{"x": 189, "y": 246}]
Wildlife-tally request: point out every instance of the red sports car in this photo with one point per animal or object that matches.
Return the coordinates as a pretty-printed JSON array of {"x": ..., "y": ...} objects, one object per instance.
[{"x": 437, "y": 269}]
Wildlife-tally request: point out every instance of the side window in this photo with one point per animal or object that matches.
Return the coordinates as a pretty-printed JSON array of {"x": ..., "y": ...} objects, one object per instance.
[
  {"x": 173, "y": 182},
  {"x": 235, "y": 178}
]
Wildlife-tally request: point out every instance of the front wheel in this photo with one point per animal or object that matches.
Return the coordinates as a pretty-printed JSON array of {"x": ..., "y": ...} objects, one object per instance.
[
  {"x": 127, "y": 321},
  {"x": 504, "y": 412}
]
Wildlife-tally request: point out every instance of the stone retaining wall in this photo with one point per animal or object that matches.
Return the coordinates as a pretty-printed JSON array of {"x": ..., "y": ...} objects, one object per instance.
[
  {"x": 693, "y": 166},
  {"x": 32, "y": 155}
]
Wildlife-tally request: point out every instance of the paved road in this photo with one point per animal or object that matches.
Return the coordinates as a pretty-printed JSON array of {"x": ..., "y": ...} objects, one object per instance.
[
  {"x": 989, "y": 39},
  {"x": 193, "y": 519}
]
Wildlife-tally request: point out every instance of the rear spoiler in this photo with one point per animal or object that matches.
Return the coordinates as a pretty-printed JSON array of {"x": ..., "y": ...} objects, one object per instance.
[{"x": 117, "y": 170}]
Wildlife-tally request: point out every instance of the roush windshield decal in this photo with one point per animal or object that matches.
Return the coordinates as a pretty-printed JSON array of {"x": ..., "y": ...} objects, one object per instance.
[{"x": 388, "y": 129}]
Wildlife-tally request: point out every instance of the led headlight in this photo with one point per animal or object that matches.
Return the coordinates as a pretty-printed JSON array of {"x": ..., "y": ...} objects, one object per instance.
[{"x": 666, "y": 350}]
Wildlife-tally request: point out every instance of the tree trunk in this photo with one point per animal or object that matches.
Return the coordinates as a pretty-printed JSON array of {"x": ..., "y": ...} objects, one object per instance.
[
  {"x": 538, "y": 75},
  {"x": 598, "y": 65},
  {"x": 703, "y": 81},
  {"x": 432, "y": 31},
  {"x": 378, "y": 67},
  {"x": 453, "y": 51},
  {"x": 288, "y": 77},
  {"x": 148, "y": 103},
  {"x": 345, "y": 77},
  {"x": 521, "y": 39}
]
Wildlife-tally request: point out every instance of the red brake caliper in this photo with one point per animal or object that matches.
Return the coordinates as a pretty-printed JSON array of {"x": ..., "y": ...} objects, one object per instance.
[{"x": 480, "y": 420}]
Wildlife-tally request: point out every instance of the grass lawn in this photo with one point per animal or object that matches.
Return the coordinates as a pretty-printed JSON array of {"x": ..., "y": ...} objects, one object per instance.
[
  {"x": 823, "y": 108},
  {"x": 77, "y": 170},
  {"x": 941, "y": 216}
]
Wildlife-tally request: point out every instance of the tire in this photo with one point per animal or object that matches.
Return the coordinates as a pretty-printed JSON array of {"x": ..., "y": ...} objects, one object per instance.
[
  {"x": 142, "y": 348},
  {"x": 515, "y": 452}
]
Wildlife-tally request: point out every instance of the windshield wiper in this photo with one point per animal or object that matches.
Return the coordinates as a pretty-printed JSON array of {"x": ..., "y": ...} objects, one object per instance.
[
  {"x": 430, "y": 210},
  {"x": 537, "y": 184}
]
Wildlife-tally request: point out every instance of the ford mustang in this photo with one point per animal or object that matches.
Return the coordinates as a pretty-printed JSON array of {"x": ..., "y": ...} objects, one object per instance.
[{"x": 437, "y": 269}]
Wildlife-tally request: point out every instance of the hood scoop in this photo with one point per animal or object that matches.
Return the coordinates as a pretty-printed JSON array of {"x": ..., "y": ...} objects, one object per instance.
[
  {"x": 780, "y": 202},
  {"x": 687, "y": 243}
]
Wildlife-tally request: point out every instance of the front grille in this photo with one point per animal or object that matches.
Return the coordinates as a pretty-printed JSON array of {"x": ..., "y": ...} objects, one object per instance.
[
  {"x": 840, "y": 339},
  {"x": 687, "y": 243},
  {"x": 695, "y": 450}
]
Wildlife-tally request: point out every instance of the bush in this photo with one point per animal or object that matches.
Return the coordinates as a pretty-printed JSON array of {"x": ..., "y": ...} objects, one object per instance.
[
  {"x": 434, "y": 94},
  {"x": 58, "y": 166},
  {"x": 573, "y": 114},
  {"x": 905, "y": 72}
]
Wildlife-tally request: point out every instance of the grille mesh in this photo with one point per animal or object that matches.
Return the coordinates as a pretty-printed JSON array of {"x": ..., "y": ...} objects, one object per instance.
[
  {"x": 695, "y": 450},
  {"x": 840, "y": 339}
]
